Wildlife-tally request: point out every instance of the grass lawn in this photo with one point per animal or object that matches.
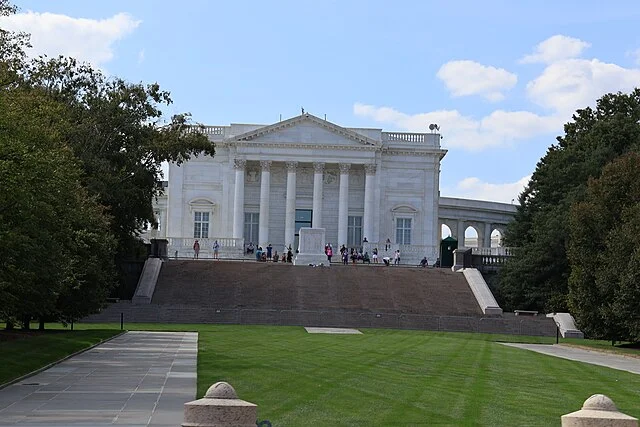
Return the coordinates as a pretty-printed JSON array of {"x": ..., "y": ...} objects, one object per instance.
[
  {"x": 396, "y": 377},
  {"x": 23, "y": 354}
]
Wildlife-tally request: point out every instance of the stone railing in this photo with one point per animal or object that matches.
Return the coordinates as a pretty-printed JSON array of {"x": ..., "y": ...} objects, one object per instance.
[
  {"x": 207, "y": 130},
  {"x": 182, "y": 243},
  {"x": 403, "y": 137},
  {"x": 497, "y": 251}
]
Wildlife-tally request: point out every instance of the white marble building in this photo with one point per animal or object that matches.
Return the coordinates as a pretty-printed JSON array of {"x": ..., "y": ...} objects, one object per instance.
[{"x": 265, "y": 182}]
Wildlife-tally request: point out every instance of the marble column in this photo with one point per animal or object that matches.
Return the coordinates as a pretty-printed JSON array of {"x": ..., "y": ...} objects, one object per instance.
[
  {"x": 343, "y": 204},
  {"x": 290, "y": 210},
  {"x": 367, "y": 221},
  {"x": 265, "y": 188},
  {"x": 238, "y": 199},
  {"x": 487, "y": 235},
  {"x": 318, "y": 169}
]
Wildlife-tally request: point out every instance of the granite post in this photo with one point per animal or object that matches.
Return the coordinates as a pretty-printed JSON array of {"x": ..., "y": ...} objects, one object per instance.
[
  {"x": 220, "y": 407},
  {"x": 598, "y": 411}
]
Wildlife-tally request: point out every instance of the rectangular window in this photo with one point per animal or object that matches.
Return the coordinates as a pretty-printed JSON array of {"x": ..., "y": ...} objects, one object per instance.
[
  {"x": 201, "y": 225},
  {"x": 403, "y": 231},
  {"x": 354, "y": 231},
  {"x": 251, "y": 225}
]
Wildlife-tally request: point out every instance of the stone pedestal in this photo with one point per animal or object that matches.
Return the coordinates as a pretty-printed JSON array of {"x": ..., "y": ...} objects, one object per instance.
[
  {"x": 458, "y": 260},
  {"x": 598, "y": 411},
  {"x": 311, "y": 250},
  {"x": 220, "y": 407}
]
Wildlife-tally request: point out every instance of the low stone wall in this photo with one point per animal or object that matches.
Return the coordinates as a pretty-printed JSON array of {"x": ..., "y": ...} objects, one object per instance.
[{"x": 165, "y": 313}]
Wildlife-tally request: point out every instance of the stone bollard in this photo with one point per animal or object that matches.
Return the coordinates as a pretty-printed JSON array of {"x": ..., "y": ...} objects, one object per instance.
[
  {"x": 598, "y": 411},
  {"x": 220, "y": 407}
]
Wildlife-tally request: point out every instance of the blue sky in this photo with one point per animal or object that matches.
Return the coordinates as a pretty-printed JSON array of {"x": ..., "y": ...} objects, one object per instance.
[{"x": 500, "y": 77}]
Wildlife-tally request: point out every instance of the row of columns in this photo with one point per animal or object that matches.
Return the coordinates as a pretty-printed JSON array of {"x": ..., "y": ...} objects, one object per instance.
[
  {"x": 290, "y": 206},
  {"x": 484, "y": 236}
]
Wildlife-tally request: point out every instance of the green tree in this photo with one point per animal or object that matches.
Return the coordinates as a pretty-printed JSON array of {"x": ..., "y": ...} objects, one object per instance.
[
  {"x": 80, "y": 164},
  {"x": 120, "y": 139},
  {"x": 604, "y": 254},
  {"x": 537, "y": 277},
  {"x": 46, "y": 216}
]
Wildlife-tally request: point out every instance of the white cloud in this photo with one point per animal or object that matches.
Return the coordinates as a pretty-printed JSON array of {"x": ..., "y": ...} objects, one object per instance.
[
  {"x": 474, "y": 188},
  {"x": 497, "y": 129},
  {"x": 88, "y": 40},
  {"x": 464, "y": 78},
  {"x": 556, "y": 48},
  {"x": 567, "y": 85}
]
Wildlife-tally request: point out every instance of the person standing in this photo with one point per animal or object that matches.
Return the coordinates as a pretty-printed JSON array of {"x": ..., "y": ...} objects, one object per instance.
[
  {"x": 329, "y": 253},
  {"x": 375, "y": 255},
  {"x": 269, "y": 251},
  {"x": 196, "y": 249},
  {"x": 216, "y": 249},
  {"x": 396, "y": 257}
]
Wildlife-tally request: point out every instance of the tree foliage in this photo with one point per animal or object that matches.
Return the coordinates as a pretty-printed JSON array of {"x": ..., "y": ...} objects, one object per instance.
[
  {"x": 604, "y": 253},
  {"x": 537, "y": 278},
  {"x": 80, "y": 165}
]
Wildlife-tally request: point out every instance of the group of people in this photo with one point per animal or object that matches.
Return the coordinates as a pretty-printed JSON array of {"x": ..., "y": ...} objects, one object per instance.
[
  {"x": 287, "y": 256},
  {"x": 196, "y": 249},
  {"x": 270, "y": 254}
]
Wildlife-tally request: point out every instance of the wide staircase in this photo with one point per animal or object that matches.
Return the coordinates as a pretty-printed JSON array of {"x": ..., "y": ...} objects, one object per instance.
[
  {"x": 191, "y": 291},
  {"x": 277, "y": 286}
]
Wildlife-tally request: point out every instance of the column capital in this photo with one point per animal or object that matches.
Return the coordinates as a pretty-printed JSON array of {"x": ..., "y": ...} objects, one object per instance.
[
  {"x": 239, "y": 164},
  {"x": 265, "y": 165},
  {"x": 291, "y": 166},
  {"x": 344, "y": 167},
  {"x": 370, "y": 169},
  {"x": 318, "y": 167}
]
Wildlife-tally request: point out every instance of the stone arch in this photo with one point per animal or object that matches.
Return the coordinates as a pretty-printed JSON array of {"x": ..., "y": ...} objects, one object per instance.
[
  {"x": 445, "y": 231},
  {"x": 497, "y": 236},
  {"x": 471, "y": 236},
  {"x": 450, "y": 224}
]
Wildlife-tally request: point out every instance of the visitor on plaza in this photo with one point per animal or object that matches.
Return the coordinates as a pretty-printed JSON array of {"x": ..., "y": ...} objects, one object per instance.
[
  {"x": 196, "y": 249},
  {"x": 396, "y": 257},
  {"x": 424, "y": 262},
  {"x": 329, "y": 252},
  {"x": 386, "y": 260},
  {"x": 269, "y": 250},
  {"x": 216, "y": 248},
  {"x": 250, "y": 248},
  {"x": 375, "y": 255}
]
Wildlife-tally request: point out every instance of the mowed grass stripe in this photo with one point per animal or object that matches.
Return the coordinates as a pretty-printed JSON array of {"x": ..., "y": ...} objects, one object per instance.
[{"x": 387, "y": 377}]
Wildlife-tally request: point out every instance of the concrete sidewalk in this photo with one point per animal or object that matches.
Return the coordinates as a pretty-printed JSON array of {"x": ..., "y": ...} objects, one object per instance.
[
  {"x": 609, "y": 360},
  {"x": 137, "y": 379}
]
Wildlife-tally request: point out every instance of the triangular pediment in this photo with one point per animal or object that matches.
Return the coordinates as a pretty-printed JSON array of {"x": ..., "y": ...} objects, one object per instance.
[{"x": 305, "y": 129}]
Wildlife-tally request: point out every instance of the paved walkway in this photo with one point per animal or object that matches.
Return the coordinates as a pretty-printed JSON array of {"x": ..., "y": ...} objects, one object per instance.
[
  {"x": 623, "y": 363},
  {"x": 137, "y": 379}
]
